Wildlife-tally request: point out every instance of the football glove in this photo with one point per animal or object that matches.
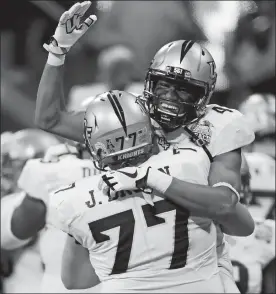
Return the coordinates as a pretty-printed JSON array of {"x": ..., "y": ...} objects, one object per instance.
[
  {"x": 128, "y": 178},
  {"x": 70, "y": 28}
]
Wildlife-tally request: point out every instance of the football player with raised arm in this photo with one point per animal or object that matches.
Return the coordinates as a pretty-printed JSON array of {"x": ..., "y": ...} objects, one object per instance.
[
  {"x": 179, "y": 85},
  {"x": 135, "y": 239},
  {"x": 253, "y": 257}
]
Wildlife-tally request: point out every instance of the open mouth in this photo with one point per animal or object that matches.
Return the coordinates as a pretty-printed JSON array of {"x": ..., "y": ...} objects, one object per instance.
[
  {"x": 169, "y": 109},
  {"x": 167, "y": 106}
]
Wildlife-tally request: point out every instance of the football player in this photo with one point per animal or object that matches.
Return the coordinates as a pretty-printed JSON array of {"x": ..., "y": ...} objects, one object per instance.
[
  {"x": 60, "y": 165},
  {"x": 145, "y": 254},
  {"x": 179, "y": 85},
  {"x": 251, "y": 255},
  {"x": 256, "y": 272},
  {"x": 259, "y": 110},
  {"x": 20, "y": 147}
]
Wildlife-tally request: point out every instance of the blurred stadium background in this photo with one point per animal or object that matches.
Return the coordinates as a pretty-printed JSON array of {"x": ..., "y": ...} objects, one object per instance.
[{"x": 239, "y": 34}]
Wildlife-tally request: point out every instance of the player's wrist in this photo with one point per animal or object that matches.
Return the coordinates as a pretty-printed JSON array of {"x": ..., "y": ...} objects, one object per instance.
[
  {"x": 55, "y": 60},
  {"x": 56, "y": 56},
  {"x": 158, "y": 180}
]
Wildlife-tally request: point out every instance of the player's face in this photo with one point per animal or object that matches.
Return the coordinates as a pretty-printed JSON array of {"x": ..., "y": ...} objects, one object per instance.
[
  {"x": 175, "y": 102},
  {"x": 175, "y": 92}
]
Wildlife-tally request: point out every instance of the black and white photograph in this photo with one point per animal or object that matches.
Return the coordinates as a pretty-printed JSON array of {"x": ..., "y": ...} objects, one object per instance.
[{"x": 137, "y": 146}]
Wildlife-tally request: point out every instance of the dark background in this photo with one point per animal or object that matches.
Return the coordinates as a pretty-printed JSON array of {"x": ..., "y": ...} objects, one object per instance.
[{"x": 144, "y": 26}]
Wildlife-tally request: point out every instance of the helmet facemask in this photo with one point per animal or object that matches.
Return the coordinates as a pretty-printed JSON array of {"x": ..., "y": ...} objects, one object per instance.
[{"x": 171, "y": 113}]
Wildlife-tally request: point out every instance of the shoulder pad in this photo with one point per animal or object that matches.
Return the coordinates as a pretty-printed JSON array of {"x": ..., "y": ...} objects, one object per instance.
[{"x": 230, "y": 129}]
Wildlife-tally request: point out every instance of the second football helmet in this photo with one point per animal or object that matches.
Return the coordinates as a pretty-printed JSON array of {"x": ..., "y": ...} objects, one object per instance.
[
  {"x": 23, "y": 145},
  {"x": 191, "y": 69},
  {"x": 117, "y": 129}
]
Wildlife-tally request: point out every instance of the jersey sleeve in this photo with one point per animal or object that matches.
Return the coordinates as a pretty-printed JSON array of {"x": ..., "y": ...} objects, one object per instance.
[{"x": 234, "y": 133}]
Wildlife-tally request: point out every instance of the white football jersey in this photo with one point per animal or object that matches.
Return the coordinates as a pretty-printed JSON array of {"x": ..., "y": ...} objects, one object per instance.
[
  {"x": 134, "y": 246},
  {"x": 50, "y": 175},
  {"x": 251, "y": 254},
  {"x": 224, "y": 128}
]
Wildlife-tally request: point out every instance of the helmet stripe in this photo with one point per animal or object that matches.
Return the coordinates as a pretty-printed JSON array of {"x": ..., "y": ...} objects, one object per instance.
[
  {"x": 117, "y": 109},
  {"x": 186, "y": 46}
]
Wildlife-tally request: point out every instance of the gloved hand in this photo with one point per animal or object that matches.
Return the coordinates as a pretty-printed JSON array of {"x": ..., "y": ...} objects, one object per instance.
[
  {"x": 128, "y": 178},
  {"x": 70, "y": 28}
]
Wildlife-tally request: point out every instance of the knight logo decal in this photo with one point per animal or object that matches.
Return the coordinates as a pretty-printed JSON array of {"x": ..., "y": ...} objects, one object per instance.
[
  {"x": 100, "y": 145},
  {"x": 163, "y": 142},
  {"x": 203, "y": 132},
  {"x": 110, "y": 146}
]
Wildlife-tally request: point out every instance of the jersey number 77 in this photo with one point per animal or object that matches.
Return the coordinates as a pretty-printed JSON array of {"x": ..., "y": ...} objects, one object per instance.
[{"x": 125, "y": 220}]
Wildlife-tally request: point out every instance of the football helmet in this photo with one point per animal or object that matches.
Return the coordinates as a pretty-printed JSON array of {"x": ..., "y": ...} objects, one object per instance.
[
  {"x": 23, "y": 145},
  {"x": 191, "y": 70},
  {"x": 117, "y": 129}
]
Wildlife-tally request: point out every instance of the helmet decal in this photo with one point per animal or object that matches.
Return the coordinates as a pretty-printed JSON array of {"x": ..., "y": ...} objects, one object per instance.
[
  {"x": 123, "y": 128},
  {"x": 186, "y": 46},
  {"x": 117, "y": 109}
]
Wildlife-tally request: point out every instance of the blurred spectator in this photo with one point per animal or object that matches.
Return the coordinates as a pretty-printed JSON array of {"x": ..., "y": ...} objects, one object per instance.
[
  {"x": 116, "y": 71},
  {"x": 251, "y": 53},
  {"x": 145, "y": 26}
]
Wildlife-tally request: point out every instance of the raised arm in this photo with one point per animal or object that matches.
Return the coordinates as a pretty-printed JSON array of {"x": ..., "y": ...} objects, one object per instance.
[{"x": 51, "y": 114}]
